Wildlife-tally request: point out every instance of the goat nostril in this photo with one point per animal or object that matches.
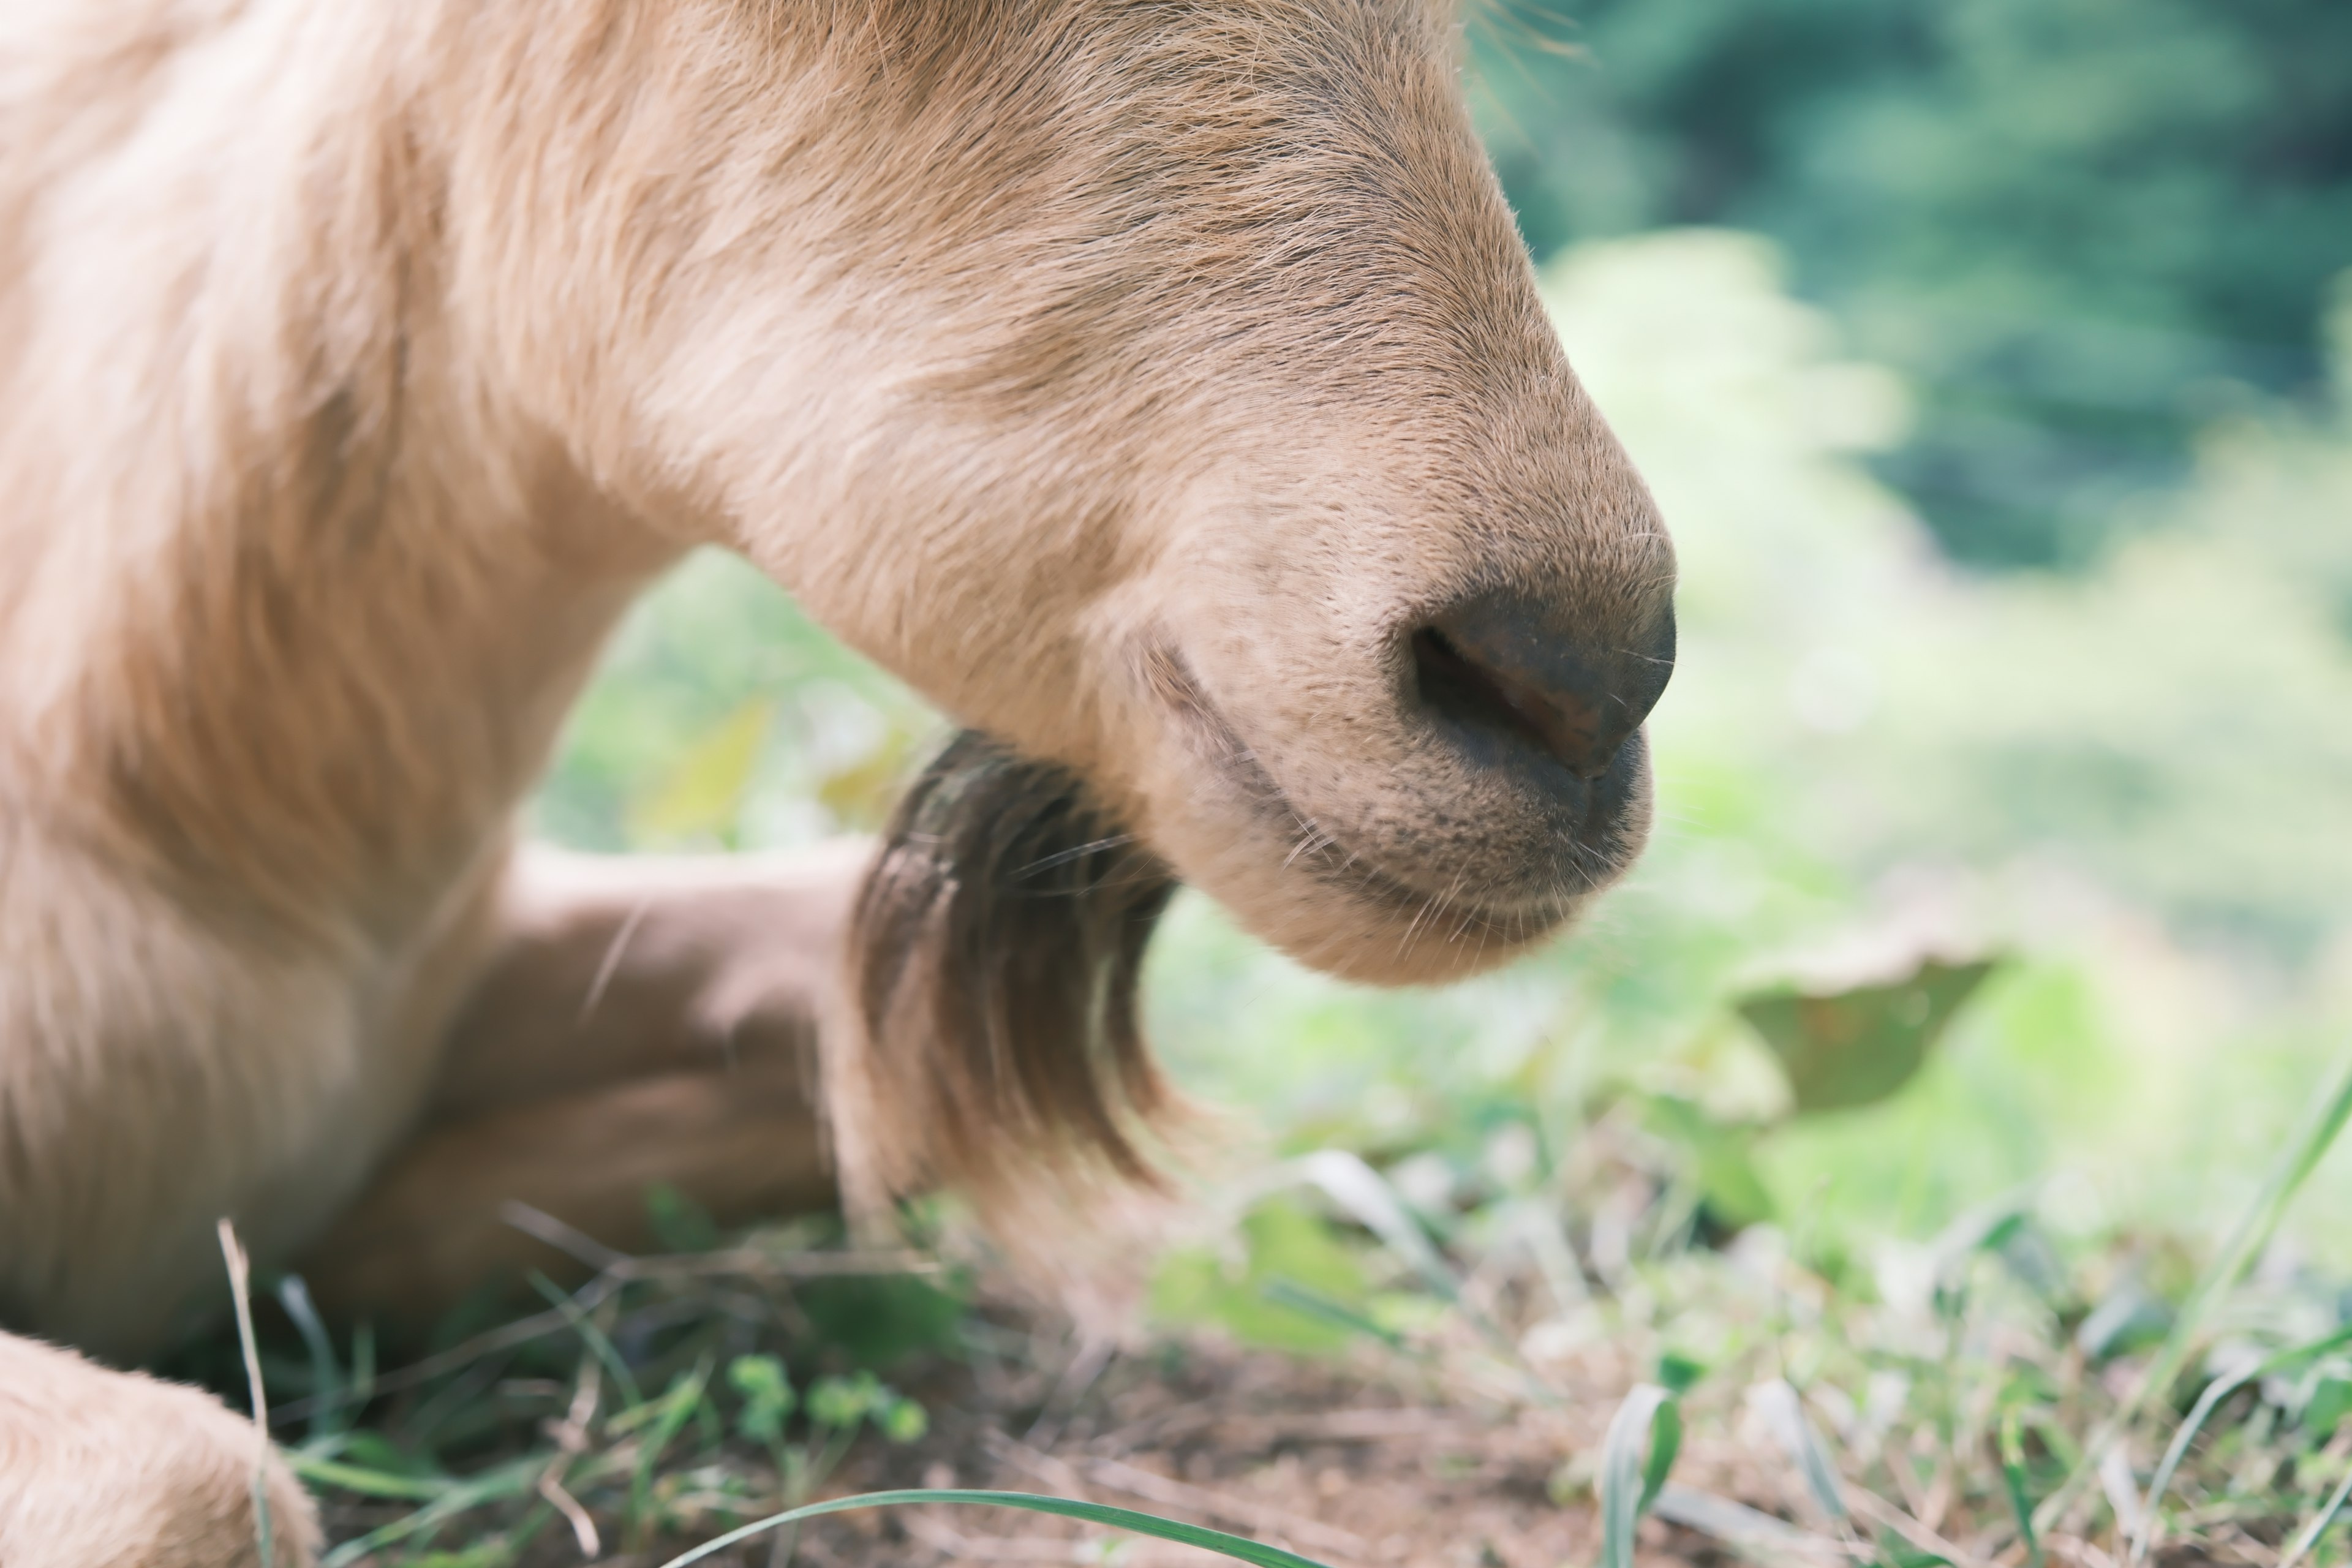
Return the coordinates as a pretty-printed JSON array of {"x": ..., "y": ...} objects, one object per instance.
[
  {"x": 1502, "y": 670},
  {"x": 1469, "y": 691}
]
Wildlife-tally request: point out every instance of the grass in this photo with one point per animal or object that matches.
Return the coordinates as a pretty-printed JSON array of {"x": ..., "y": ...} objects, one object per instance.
[
  {"x": 2019, "y": 1401},
  {"x": 1126, "y": 1519},
  {"x": 2049, "y": 1420}
]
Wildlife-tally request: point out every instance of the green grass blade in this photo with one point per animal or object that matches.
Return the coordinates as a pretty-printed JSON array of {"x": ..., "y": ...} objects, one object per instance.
[
  {"x": 1347, "y": 1180},
  {"x": 1285, "y": 1292},
  {"x": 2220, "y": 1389},
  {"x": 2308, "y": 1536},
  {"x": 507, "y": 1481},
  {"x": 2013, "y": 1480},
  {"x": 1364, "y": 1193},
  {"x": 1624, "y": 1472},
  {"x": 363, "y": 1481},
  {"x": 327, "y": 1383},
  {"x": 1233, "y": 1546},
  {"x": 676, "y": 1408},
  {"x": 1751, "y": 1535},
  {"x": 1665, "y": 1442},
  {"x": 1784, "y": 1413},
  {"x": 2251, "y": 1233},
  {"x": 599, "y": 1346}
]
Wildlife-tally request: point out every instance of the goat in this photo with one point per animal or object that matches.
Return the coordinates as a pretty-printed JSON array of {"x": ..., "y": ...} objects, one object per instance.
[{"x": 1161, "y": 389}]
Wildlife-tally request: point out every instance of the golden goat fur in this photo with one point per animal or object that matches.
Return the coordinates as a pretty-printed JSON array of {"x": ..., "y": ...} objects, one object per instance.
[{"x": 1116, "y": 375}]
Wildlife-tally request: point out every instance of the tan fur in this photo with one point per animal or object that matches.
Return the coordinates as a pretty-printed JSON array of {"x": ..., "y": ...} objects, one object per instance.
[
  {"x": 1127, "y": 378},
  {"x": 110, "y": 1469}
]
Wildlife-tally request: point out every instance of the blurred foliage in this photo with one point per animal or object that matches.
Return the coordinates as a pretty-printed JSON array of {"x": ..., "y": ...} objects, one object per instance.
[
  {"x": 724, "y": 718},
  {"x": 878, "y": 1322},
  {"x": 1264, "y": 1281},
  {"x": 2079, "y": 228}
]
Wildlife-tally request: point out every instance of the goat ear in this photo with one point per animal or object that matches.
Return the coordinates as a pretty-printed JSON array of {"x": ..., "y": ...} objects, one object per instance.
[{"x": 994, "y": 955}]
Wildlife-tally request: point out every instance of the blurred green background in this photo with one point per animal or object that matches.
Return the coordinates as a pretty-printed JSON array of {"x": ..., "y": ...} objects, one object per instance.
[
  {"x": 1992, "y": 360},
  {"x": 2079, "y": 228}
]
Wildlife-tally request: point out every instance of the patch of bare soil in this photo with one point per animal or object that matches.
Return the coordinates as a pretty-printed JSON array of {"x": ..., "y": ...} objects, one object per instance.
[{"x": 1348, "y": 1464}]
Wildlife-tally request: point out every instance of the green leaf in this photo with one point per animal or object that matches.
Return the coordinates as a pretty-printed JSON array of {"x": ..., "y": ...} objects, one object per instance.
[
  {"x": 840, "y": 1403},
  {"x": 903, "y": 1420},
  {"x": 1635, "y": 1457},
  {"x": 1679, "y": 1373},
  {"x": 768, "y": 1396},
  {"x": 1233, "y": 1546},
  {"x": 1857, "y": 1047},
  {"x": 1665, "y": 1442}
]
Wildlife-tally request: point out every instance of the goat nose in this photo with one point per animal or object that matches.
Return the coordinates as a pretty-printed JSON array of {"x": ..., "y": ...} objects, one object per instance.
[{"x": 1508, "y": 671}]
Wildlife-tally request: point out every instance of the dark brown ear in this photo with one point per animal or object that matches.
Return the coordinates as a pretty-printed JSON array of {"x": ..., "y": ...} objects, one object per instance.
[{"x": 993, "y": 961}]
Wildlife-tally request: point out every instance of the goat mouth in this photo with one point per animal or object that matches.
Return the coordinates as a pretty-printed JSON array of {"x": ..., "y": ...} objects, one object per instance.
[{"x": 1315, "y": 849}]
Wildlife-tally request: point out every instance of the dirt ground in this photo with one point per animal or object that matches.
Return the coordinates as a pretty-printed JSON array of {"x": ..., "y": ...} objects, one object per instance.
[
  {"x": 1319, "y": 1459},
  {"x": 1353, "y": 1466}
]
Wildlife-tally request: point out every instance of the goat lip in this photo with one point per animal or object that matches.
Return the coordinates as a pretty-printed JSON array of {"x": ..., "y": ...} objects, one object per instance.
[{"x": 1315, "y": 849}]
